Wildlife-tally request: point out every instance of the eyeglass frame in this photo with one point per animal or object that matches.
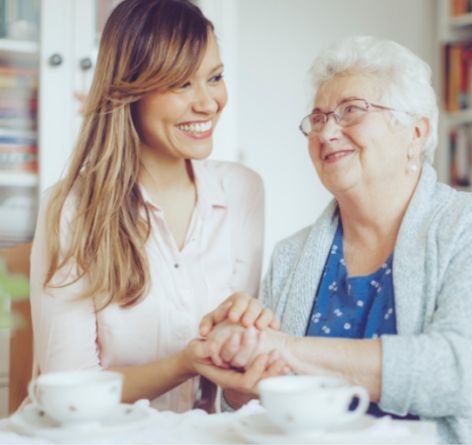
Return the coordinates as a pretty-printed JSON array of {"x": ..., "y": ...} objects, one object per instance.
[{"x": 337, "y": 117}]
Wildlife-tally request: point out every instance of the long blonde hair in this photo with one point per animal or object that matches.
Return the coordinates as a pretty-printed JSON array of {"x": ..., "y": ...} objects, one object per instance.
[{"x": 147, "y": 45}]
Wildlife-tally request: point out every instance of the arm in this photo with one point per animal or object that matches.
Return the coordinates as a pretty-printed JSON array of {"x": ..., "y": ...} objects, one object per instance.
[
  {"x": 357, "y": 361},
  {"x": 433, "y": 368}
]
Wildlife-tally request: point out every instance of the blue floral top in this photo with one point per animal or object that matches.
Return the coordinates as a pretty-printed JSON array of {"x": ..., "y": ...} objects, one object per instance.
[{"x": 353, "y": 307}]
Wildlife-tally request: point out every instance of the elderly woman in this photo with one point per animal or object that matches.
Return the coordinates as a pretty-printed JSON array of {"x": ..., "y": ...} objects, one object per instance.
[{"x": 379, "y": 289}]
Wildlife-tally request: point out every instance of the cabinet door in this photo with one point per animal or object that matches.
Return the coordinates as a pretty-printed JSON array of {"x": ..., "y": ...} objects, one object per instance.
[
  {"x": 70, "y": 33},
  {"x": 56, "y": 92}
]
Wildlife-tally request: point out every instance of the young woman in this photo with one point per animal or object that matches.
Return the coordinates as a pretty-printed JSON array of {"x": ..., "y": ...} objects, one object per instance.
[{"x": 143, "y": 236}]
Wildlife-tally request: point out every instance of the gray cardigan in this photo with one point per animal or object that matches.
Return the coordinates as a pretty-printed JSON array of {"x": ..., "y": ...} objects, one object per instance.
[{"x": 427, "y": 367}]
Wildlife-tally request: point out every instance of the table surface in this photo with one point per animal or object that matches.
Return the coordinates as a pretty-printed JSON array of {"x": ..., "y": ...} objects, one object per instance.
[{"x": 197, "y": 426}]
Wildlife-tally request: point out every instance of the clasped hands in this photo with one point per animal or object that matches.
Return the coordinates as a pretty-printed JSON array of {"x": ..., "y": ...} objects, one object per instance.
[{"x": 240, "y": 344}]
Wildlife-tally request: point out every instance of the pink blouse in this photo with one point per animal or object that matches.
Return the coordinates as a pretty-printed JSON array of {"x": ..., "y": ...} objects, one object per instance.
[{"x": 222, "y": 254}]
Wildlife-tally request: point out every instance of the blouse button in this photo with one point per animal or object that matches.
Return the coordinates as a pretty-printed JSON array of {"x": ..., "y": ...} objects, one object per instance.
[{"x": 176, "y": 265}]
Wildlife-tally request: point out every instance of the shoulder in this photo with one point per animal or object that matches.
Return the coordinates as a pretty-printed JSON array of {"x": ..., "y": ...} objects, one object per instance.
[
  {"x": 232, "y": 174},
  {"x": 287, "y": 251},
  {"x": 451, "y": 211}
]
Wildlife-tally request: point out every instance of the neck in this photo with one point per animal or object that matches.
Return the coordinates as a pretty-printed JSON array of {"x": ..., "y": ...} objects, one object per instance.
[
  {"x": 165, "y": 173},
  {"x": 373, "y": 215}
]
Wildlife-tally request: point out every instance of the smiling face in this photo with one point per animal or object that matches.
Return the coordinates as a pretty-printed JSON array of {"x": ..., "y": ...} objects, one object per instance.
[
  {"x": 368, "y": 153},
  {"x": 179, "y": 123}
]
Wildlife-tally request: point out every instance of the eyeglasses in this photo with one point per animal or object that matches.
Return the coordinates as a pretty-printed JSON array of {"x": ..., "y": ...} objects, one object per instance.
[{"x": 348, "y": 112}]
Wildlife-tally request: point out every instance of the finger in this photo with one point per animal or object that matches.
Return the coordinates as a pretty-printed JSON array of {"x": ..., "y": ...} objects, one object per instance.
[
  {"x": 214, "y": 317},
  {"x": 231, "y": 347},
  {"x": 275, "y": 324},
  {"x": 221, "y": 312},
  {"x": 265, "y": 318},
  {"x": 240, "y": 302},
  {"x": 255, "y": 372},
  {"x": 273, "y": 356},
  {"x": 248, "y": 348},
  {"x": 200, "y": 349},
  {"x": 278, "y": 367},
  {"x": 252, "y": 312},
  {"x": 215, "y": 354},
  {"x": 205, "y": 325}
]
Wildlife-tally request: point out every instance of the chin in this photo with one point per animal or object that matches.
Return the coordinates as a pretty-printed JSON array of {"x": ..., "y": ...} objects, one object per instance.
[{"x": 199, "y": 153}]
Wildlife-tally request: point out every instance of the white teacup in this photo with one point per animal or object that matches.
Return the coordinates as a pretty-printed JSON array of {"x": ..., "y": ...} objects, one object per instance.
[
  {"x": 301, "y": 403},
  {"x": 77, "y": 397}
]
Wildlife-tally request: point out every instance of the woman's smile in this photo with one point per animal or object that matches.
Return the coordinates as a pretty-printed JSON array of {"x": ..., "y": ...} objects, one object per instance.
[
  {"x": 197, "y": 129},
  {"x": 337, "y": 155}
]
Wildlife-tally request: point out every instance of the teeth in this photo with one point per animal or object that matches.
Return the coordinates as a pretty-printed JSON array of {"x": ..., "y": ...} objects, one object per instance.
[{"x": 196, "y": 128}]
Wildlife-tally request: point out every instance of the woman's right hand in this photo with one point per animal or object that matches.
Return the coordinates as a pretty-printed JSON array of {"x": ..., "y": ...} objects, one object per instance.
[
  {"x": 240, "y": 308},
  {"x": 231, "y": 345}
]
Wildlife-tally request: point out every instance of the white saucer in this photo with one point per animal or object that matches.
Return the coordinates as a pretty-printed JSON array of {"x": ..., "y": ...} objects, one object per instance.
[
  {"x": 257, "y": 428},
  {"x": 31, "y": 421}
]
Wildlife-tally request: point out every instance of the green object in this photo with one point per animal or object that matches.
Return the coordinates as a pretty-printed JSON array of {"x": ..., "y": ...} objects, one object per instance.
[{"x": 12, "y": 286}]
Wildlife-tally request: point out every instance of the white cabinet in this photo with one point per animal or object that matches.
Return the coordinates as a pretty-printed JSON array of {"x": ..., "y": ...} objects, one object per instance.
[{"x": 47, "y": 54}]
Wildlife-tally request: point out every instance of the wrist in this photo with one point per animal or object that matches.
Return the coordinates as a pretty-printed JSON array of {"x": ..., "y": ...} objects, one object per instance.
[
  {"x": 275, "y": 340},
  {"x": 233, "y": 400},
  {"x": 185, "y": 362}
]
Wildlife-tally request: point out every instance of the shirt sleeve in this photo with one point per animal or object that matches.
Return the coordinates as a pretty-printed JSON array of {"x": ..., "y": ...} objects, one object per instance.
[
  {"x": 249, "y": 242},
  {"x": 64, "y": 326}
]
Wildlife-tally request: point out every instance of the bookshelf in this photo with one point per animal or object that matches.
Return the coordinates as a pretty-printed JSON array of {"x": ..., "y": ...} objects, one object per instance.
[
  {"x": 454, "y": 156},
  {"x": 39, "y": 114},
  {"x": 19, "y": 81}
]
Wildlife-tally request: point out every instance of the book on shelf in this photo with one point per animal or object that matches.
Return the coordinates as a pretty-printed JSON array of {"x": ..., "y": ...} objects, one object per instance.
[
  {"x": 457, "y": 62},
  {"x": 460, "y": 7},
  {"x": 18, "y": 161},
  {"x": 14, "y": 81},
  {"x": 460, "y": 156},
  {"x": 18, "y": 152}
]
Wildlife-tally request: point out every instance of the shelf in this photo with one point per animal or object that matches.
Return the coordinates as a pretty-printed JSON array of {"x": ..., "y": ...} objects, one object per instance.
[
  {"x": 461, "y": 20},
  {"x": 18, "y": 179},
  {"x": 18, "y": 46},
  {"x": 462, "y": 189},
  {"x": 459, "y": 117}
]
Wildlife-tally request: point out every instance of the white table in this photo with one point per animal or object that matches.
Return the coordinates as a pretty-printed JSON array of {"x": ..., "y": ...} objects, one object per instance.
[{"x": 196, "y": 426}]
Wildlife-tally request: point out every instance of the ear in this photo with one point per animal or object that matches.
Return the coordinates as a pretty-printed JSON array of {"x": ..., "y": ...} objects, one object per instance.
[{"x": 421, "y": 129}]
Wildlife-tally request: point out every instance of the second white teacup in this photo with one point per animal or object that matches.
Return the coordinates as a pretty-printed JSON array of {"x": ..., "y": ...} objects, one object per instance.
[
  {"x": 76, "y": 397},
  {"x": 301, "y": 403}
]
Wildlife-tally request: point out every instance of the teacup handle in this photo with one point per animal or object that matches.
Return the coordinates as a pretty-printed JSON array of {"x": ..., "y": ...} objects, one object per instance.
[
  {"x": 32, "y": 393},
  {"x": 362, "y": 405}
]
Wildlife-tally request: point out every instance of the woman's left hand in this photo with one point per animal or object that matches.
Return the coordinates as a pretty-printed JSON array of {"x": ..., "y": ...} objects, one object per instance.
[
  {"x": 239, "y": 308},
  {"x": 263, "y": 366},
  {"x": 231, "y": 345}
]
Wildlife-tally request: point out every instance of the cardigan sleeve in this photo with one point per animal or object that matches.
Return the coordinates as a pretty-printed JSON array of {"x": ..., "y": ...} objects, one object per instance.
[{"x": 430, "y": 374}]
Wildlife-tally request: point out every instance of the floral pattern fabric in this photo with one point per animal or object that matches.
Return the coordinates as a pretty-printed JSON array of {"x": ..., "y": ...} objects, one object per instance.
[{"x": 354, "y": 307}]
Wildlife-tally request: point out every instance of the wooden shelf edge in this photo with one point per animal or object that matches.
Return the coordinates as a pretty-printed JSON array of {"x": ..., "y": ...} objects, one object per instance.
[{"x": 461, "y": 20}]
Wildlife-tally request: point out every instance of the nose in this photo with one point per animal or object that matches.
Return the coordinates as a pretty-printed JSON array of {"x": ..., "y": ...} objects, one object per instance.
[
  {"x": 331, "y": 130},
  {"x": 204, "y": 101}
]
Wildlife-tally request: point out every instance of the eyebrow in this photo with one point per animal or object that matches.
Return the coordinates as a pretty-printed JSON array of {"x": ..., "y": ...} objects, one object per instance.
[
  {"x": 217, "y": 68},
  {"x": 345, "y": 99}
]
